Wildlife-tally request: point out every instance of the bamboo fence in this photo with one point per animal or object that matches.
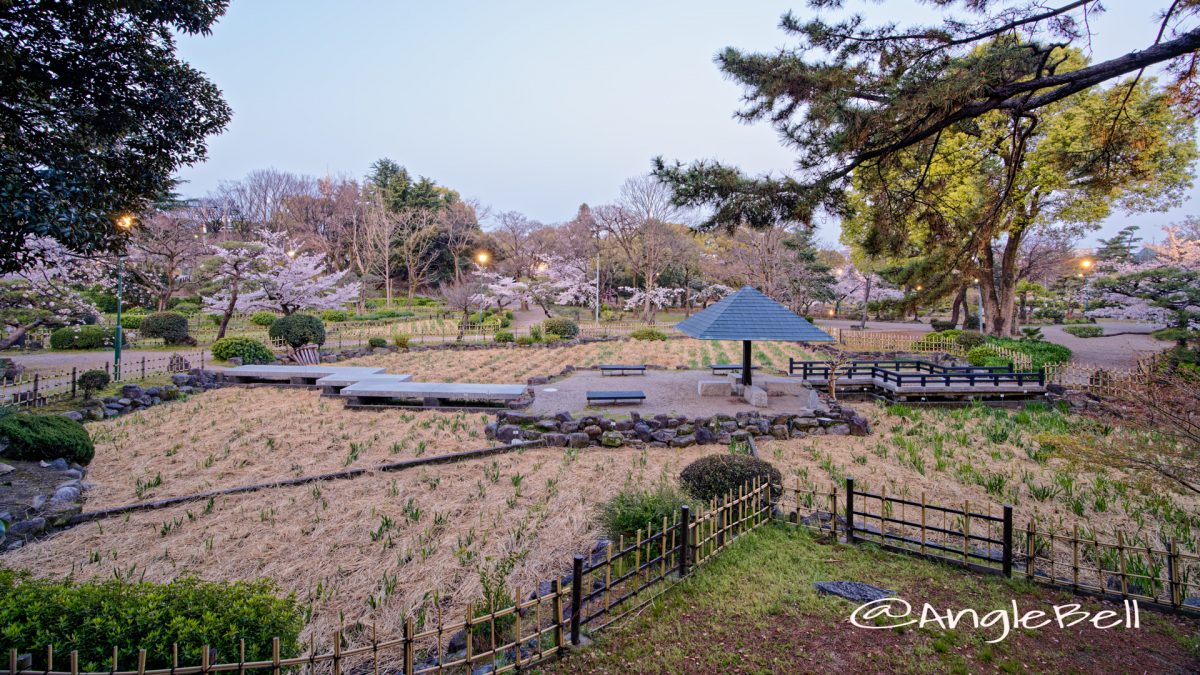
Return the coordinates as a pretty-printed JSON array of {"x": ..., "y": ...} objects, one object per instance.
[{"x": 45, "y": 387}]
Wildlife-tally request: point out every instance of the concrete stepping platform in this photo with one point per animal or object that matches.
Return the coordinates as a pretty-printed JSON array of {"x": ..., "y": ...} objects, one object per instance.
[
  {"x": 301, "y": 375},
  {"x": 374, "y": 391},
  {"x": 332, "y": 385}
]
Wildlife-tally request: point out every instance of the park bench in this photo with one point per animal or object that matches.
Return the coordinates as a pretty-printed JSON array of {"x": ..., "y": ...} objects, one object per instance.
[
  {"x": 726, "y": 368},
  {"x": 615, "y": 396},
  {"x": 613, "y": 369}
]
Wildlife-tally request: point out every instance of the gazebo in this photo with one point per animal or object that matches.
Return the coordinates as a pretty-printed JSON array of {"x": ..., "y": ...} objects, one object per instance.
[{"x": 748, "y": 315}]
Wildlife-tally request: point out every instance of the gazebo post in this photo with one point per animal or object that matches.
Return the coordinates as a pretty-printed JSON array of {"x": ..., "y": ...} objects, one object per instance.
[{"x": 746, "y": 363}]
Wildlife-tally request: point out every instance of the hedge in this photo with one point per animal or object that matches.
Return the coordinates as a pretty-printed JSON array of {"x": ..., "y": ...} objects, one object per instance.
[
  {"x": 334, "y": 315},
  {"x": 82, "y": 337},
  {"x": 93, "y": 617},
  {"x": 298, "y": 330},
  {"x": 564, "y": 328},
  {"x": 263, "y": 318},
  {"x": 1039, "y": 351},
  {"x": 249, "y": 350},
  {"x": 132, "y": 321},
  {"x": 38, "y": 437},
  {"x": 1085, "y": 331},
  {"x": 172, "y": 327},
  {"x": 648, "y": 334},
  {"x": 715, "y": 476}
]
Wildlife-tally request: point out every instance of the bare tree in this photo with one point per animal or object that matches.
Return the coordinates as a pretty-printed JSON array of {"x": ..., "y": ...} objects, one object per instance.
[
  {"x": 460, "y": 231},
  {"x": 371, "y": 241},
  {"x": 163, "y": 249},
  {"x": 325, "y": 219},
  {"x": 416, "y": 233},
  {"x": 258, "y": 199},
  {"x": 462, "y": 296},
  {"x": 518, "y": 253}
]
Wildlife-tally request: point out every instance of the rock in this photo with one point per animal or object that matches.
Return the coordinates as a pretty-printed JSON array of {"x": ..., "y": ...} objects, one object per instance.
[
  {"x": 548, "y": 425},
  {"x": 4, "y": 468},
  {"x": 642, "y": 430},
  {"x": 859, "y": 425},
  {"x": 530, "y": 434},
  {"x": 489, "y": 430},
  {"x": 457, "y": 641},
  {"x": 520, "y": 418},
  {"x": 27, "y": 528},
  {"x": 714, "y": 388},
  {"x": 682, "y": 441},
  {"x": 704, "y": 436},
  {"x": 508, "y": 432},
  {"x": 853, "y": 590},
  {"x": 111, "y": 412},
  {"x": 180, "y": 379},
  {"x": 563, "y": 416},
  {"x": 124, "y": 402},
  {"x": 569, "y": 427},
  {"x": 59, "y": 464},
  {"x": 780, "y": 431},
  {"x": 839, "y": 430},
  {"x": 821, "y": 520},
  {"x": 578, "y": 440},
  {"x": 555, "y": 439},
  {"x": 94, "y": 414},
  {"x": 539, "y": 379},
  {"x": 38, "y": 501},
  {"x": 593, "y": 430},
  {"x": 663, "y": 435},
  {"x": 73, "y": 415},
  {"x": 612, "y": 439},
  {"x": 132, "y": 391}
]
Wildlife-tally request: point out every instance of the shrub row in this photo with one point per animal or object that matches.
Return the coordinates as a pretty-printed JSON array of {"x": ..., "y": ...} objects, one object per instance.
[
  {"x": 1083, "y": 331},
  {"x": 37, "y": 437},
  {"x": 82, "y": 337}
]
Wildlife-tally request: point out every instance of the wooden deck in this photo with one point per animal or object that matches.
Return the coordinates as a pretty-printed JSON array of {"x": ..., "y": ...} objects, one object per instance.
[{"x": 921, "y": 380}]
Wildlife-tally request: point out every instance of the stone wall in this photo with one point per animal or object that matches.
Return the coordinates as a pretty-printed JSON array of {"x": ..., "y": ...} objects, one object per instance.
[
  {"x": 135, "y": 397},
  {"x": 565, "y": 430}
]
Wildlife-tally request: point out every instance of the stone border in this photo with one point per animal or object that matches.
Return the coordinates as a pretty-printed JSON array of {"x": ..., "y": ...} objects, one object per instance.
[{"x": 134, "y": 397}]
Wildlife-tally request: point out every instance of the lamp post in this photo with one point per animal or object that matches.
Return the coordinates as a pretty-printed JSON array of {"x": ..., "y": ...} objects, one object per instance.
[
  {"x": 597, "y": 287},
  {"x": 1086, "y": 265},
  {"x": 124, "y": 224}
]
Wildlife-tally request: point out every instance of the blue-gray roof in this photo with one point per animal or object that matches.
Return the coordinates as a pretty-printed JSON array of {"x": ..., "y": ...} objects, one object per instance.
[{"x": 750, "y": 315}]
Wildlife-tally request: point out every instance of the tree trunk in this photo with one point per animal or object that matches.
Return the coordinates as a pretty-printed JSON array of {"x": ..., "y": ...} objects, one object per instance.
[
  {"x": 862, "y": 324},
  {"x": 17, "y": 334},
  {"x": 960, "y": 298},
  {"x": 228, "y": 314}
]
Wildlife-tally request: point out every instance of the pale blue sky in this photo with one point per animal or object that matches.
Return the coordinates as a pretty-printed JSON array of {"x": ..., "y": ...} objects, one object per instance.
[{"x": 526, "y": 106}]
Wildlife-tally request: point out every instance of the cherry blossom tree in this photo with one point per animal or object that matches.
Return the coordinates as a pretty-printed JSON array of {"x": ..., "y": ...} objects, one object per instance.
[
  {"x": 45, "y": 292},
  {"x": 500, "y": 291},
  {"x": 232, "y": 266},
  {"x": 657, "y": 298},
  {"x": 288, "y": 281}
]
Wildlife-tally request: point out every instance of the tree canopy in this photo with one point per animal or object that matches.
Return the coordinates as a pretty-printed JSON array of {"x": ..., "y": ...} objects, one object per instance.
[{"x": 96, "y": 115}]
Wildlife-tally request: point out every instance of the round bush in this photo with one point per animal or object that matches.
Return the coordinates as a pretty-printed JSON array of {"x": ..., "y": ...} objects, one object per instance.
[
  {"x": 336, "y": 315},
  {"x": 92, "y": 381},
  {"x": 172, "y": 327},
  {"x": 503, "y": 336},
  {"x": 249, "y": 350},
  {"x": 939, "y": 325},
  {"x": 979, "y": 356},
  {"x": 401, "y": 340},
  {"x": 36, "y": 437},
  {"x": 969, "y": 339},
  {"x": 564, "y": 328},
  {"x": 376, "y": 342},
  {"x": 633, "y": 509},
  {"x": 648, "y": 334},
  {"x": 298, "y": 330},
  {"x": 717, "y": 475},
  {"x": 132, "y": 321},
  {"x": 82, "y": 337},
  {"x": 263, "y": 318},
  {"x": 187, "y": 307}
]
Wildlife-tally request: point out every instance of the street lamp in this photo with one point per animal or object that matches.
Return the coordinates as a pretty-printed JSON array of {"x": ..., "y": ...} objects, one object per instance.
[
  {"x": 1086, "y": 265},
  {"x": 124, "y": 225},
  {"x": 483, "y": 257}
]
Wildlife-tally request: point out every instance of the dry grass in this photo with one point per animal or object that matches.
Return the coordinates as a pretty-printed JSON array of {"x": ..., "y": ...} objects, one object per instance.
[
  {"x": 330, "y": 543},
  {"x": 237, "y": 436},
  {"x": 516, "y": 364}
]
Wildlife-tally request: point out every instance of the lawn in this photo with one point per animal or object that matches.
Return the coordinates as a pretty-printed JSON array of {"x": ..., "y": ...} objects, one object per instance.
[{"x": 754, "y": 610}]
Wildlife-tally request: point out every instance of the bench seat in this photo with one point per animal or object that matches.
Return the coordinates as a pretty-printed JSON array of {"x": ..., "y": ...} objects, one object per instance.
[
  {"x": 616, "y": 369},
  {"x": 616, "y": 396}
]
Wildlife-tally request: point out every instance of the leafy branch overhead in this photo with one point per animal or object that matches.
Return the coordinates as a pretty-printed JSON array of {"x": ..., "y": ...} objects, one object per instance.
[{"x": 848, "y": 96}]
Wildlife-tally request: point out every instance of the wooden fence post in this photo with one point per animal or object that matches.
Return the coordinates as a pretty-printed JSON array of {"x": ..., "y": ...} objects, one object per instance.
[
  {"x": 685, "y": 525},
  {"x": 1008, "y": 540},
  {"x": 143, "y": 367},
  {"x": 559, "y": 643},
  {"x": 73, "y": 370},
  {"x": 850, "y": 510},
  {"x": 1172, "y": 582},
  {"x": 36, "y": 380},
  {"x": 576, "y": 598},
  {"x": 409, "y": 652}
]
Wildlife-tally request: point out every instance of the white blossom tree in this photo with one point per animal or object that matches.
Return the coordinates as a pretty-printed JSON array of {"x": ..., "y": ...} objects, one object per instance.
[
  {"x": 45, "y": 293},
  {"x": 232, "y": 267},
  {"x": 289, "y": 280}
]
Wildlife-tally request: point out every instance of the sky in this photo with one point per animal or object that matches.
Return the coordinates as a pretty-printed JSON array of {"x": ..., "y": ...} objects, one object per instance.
[{"x": 526, "y": 106}]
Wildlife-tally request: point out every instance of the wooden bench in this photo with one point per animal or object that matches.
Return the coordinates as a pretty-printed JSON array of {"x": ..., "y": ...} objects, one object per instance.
[
  {"x": 613, "y": 369},
  {"x": 615, "y": 396},
  {"x": 720, "y": 368}
]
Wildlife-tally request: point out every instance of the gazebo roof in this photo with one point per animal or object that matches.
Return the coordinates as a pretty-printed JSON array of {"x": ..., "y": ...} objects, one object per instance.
[{"x": 749, "y": 315}]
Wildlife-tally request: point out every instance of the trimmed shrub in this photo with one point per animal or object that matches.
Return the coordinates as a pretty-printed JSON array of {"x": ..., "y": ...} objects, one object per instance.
[
  {"x": 263, "y": 318},
  {"x": 92, "y": 381},
  {"x": 36, "y": 437},
  {"x": 634, "y": 509},
  {"x": 524, "y": 340},
  {"x": 249, "y": 350},
  {"x": 336, "y": 315},
  {"x": 1040, "y": 352},
  {"x": 82, "y": 337},
  {"x": 971, "y": 322},
  {"x": 939, "y": 325},
  {"x": 215, "y": 319},
  {"x": 132, "y": 321},
  {"x": 401, "y": 340},
  {"x": 549, "y": 338},
  {"x": 565, "y": 328},
  {"x": 717, "y": 475},
  {"x": 298, "y": 330},
  {"x": 969, "y": 339},
  {"x": 376, "y": 342},
  {"x": 187, "y": 307},
  {"x": 1085, "y": 331},
  {"x": 503, "y": 336},
  {"x": 172, "y": 327},
  {"x": 648, "y": 334},
  {"x": 90, "y": 617},
  {"x": 978, "y": 356}
]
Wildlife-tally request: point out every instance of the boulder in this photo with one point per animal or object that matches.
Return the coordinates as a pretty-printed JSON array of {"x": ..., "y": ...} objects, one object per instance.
[
  {"x": 27, "y": 528},
  {"x": 132, "y": 391},
  {"x": 593, "y": 430},
  {"x": 779, "y": 431},
  {"x": 612, "y": 439},
  {"x": 73, "y": 415},
  {"x": 548, "y": 425},
  {"x": 663, "y": 435},
  {"x": 839, "y": 430},
  {"x": 555, "y": 439},
  {"x": 704, "y": 436},
  {"x": 682, "y": 441},
  {"x": 578, "y": 440},
  {"x": 59, "y": 464},
  {"x": 507, "y": 433},
  {"x": 859, "y": 425},
  {"x": 180, "y": 379},
  {"x": 4, "y": 468},
  {"x": 68, "y": 493}
]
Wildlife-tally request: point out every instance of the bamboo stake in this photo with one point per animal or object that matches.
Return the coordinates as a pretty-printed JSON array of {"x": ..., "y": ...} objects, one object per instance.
[
  {"x": 517, "y": 627},
  {"x": 1075, "y": 558},
  {"x": 1121, "y": 554},
  {"x": 922, "y": 522},
  {"x": 141, "y": 667}
]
